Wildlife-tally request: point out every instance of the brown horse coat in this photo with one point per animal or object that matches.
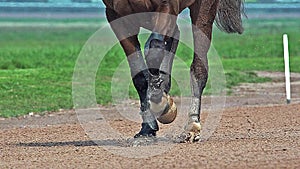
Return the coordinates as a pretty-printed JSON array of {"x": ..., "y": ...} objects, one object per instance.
[{"x": 126, "y": 7}]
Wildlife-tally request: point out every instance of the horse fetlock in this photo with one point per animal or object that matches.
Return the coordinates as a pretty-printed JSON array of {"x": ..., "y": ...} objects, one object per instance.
[
  {"x": 149, "y": 120},
  {"x": 193, "y": 127}
]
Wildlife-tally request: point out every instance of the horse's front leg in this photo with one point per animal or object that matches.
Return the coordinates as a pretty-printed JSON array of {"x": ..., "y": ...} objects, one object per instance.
[
  {"x": 202, "y": 14},
  {"x": 140, "y": 77},
  {"x": 139, "y": 71}
]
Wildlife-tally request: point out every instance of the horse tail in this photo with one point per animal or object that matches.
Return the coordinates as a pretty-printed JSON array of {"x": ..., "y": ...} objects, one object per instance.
[{"x": 229, "y": 16}]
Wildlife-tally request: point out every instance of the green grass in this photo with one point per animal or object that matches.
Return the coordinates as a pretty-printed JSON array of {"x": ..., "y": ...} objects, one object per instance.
[
  {"x": 51, "y": 20},
  {"x": 262, "y": 38},
  {"x": 37, "y": 62},
  {"x": 34, "y": 90}
]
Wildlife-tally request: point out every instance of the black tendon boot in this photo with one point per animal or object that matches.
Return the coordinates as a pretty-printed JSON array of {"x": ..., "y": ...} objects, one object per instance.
[{"x": 149, "y": 125}]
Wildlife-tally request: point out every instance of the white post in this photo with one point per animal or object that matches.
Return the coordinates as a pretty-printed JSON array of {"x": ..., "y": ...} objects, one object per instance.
[{"x": 287, "y": 68}]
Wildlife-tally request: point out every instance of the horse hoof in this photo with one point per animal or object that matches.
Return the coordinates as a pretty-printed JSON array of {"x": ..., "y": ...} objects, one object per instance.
[
  {"x": 193, "y": 135},
  {"x": 168, "y": 112},
  {"x": 145, "y": 135},
  {"x": 148, "y": 130}
]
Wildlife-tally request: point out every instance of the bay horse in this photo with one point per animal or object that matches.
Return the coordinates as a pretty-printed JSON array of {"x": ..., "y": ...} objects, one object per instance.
[{"x": 152, "y": 76}]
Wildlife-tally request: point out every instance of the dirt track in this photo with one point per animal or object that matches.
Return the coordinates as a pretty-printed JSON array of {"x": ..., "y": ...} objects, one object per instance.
[{"x": 257, "y": 130}]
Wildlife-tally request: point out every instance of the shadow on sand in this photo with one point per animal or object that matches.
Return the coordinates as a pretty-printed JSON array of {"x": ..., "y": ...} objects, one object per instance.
[{"x": 129, "y": 142}]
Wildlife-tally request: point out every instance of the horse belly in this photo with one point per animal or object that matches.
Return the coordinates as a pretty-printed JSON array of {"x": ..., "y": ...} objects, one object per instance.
[
  {"x": 122, "y": 7},
  {"x": 127, "y": 7},
  {"x": 141, "y": 5},
  {"x": 185, "y": 3}
]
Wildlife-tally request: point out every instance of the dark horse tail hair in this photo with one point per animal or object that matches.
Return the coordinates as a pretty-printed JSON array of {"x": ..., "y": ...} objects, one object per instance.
[{"x": 229, "y": 16}]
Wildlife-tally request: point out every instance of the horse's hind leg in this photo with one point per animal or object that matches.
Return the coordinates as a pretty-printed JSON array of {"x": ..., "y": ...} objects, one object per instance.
[
  {"x": 202, "y": 14},
  {"x": 162, "y": 62},
  {"x": 138, "y": 68},
  {"x": 167, "y": 62},
  {"x": 160, "y": 59}
]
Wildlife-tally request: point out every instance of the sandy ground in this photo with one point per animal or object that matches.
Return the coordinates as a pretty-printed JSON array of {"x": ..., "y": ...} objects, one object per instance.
[{"x": 257, "y": 129}]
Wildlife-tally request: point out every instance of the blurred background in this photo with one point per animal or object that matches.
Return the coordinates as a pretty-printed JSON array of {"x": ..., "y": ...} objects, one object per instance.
[{"x": 49, "y": 8}]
